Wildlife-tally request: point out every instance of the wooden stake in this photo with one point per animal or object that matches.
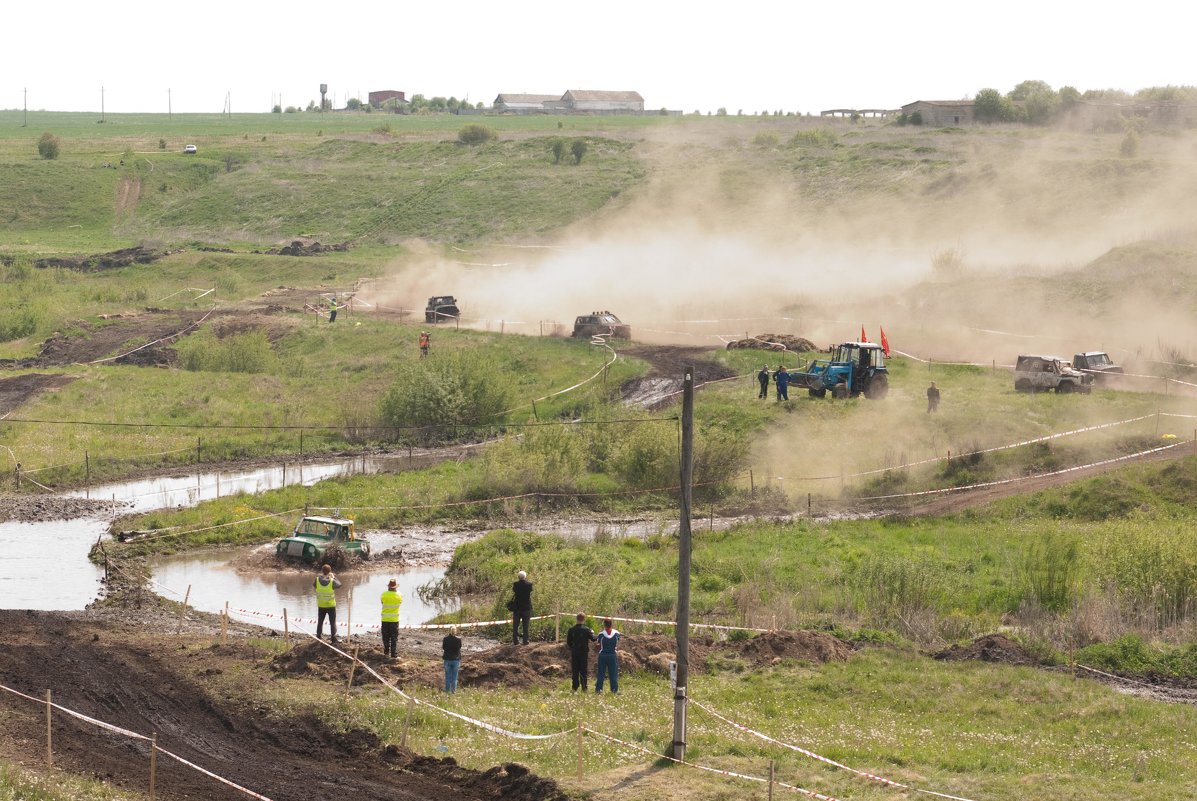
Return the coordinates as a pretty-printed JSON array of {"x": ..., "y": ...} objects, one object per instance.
[
  {"x": 183, "y": 609},
  {"x": 153, "y": 762},
  {"x": 579, "y": 752},
  {"x": 286, "y": 626},
  {"x": 224, "y": 624},
  {"x": 411, "y": 703},
  {"x": 349, "y": 618},
  {"x": 772, "y": 777},
  {"x": 49, "y": 736},
  {"x": 557, "y": 627},
  {"x": 352, "y": 667}
]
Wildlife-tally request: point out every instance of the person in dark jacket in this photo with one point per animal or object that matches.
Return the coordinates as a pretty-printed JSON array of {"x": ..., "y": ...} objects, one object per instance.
[
  {"x": 782, "y": 379},
  {"x": 451, "y": 648},
  {"x": 932, "y": 398},
  {"x": 763, "y": 378},
  {"x": 521, "y": 611},
  {"x": 578, "y": 639}
]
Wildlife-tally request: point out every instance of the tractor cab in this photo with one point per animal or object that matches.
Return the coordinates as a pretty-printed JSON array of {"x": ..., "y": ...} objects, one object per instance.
[{"x": 853, "y": 368}]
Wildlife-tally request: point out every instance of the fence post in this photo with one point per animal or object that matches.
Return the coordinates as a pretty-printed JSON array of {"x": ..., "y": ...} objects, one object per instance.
[
  {"x": 772, "y": 777},
  {"x": 286, "y": 626},
  {"x": 183, "y": 610},
  {"x": 224, "y": 624},
  {"x": 349, "y": 617},
  {"x": 49, "y": 736},
  {"x": 557, "y": 626},
  {"x": 86, "y": 467},
  {"x": 579, "y": 752},
  {"x": 153, "y": 762},
  {"x": 198, "y": 445},
  {"x": 352, "y": 668},
  {"x": 411, "y": 702},
  {"x": 808, "y": 504},
  {"x": 751, "y": 484}
]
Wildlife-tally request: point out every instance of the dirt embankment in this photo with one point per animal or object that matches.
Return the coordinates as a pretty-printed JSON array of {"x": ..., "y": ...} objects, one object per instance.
[
  {"x": 668, "y": 363},
  {"x": 146, "y": 683}
]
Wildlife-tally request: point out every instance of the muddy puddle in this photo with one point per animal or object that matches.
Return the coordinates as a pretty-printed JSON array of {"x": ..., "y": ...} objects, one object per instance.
[{"x": 261, "y": 596}]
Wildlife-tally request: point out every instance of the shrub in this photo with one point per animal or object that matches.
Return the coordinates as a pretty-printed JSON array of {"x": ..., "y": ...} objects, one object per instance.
[
  {"x": 48, "y": 146},
  {"x": 558, "y": 150},
  {"x": 1130, "y": 144},
  {"x": 1051, "y": 570},
  {"x": 239, "y": 353},
  {"x": 475, "y": 134},
  {"x": 461, "y": 388},
  {"x": 162, "y": 144},
  {"x": 765, "y": 139},
  {"x": 916, "y": 118},
  {"x": 819, "y": 137},
  {"x": 578, "y": 149}
]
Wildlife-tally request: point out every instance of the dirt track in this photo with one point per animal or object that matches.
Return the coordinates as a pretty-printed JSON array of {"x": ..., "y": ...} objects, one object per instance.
[{"x": 151, "y": 683}]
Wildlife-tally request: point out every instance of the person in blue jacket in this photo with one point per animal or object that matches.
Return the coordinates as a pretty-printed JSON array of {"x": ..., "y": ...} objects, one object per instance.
[
  {"x": 782, "y": 379},
  {"x": 608, "y": 660}
]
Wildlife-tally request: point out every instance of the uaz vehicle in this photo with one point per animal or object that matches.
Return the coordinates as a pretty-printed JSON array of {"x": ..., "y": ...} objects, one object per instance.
[
  {"x": 441, "y": 308},
  {"x": 1096, "y": 363},
  {"x": 313, "y": 535},
  {"x": 190, "y": 150},
  {"x": 1042, "y": 373},
  {"x": 851, "y": 369},
  {"x": 601, "y": 323}
]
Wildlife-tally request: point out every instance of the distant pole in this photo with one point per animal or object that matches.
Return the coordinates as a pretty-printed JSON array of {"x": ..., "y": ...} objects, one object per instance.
[
  {"x": 25, "y": 124},
  {"x": 683, "y": 570},
  {"x": 169, "y": 109},
  {"x": 101, "y": 104}
]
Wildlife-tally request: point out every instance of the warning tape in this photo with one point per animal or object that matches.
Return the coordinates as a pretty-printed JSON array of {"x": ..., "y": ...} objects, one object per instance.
[
  {"x": 826, "y": 760},
  {"x": 136, "y": 736},
  {"x": 709, "y": 769},
  {"x": 1119, "y": 678},
  {"x": 472, "y": 721},
  {"x": 156, "y": 341},
  {"x": 674, "y": 623},
  {"x": 1023, "y": 478},
  {"x": 477, "y": 624}
]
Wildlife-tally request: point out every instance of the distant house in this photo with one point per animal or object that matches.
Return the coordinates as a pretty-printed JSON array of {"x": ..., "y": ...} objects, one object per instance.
[
  {"x": 377, "y": 99},
  {"x": 508, "y": 101},
  {"x": 941, "y": 113},
  {"x": 594, "y": 100}
]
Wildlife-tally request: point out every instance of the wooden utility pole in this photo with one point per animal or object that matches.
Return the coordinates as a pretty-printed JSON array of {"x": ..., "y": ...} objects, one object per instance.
[{"x": 683, "y": 569}]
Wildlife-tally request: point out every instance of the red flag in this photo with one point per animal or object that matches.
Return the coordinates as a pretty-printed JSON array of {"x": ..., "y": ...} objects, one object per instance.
[
  {"x": 884, "y": 343},
  {"x": 863, "y": 338}
]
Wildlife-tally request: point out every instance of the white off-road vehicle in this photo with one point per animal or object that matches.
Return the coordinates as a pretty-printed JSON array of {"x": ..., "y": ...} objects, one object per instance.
[{"x": 1042, "y": 373}]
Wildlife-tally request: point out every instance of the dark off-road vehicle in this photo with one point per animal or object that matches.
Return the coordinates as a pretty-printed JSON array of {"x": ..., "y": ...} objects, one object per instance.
[
  {"x": 441, "y": 308},
  {"x": 1042, "y": 373},
  {"x": 601, "y": 323},
  {"x": 1097, "y": 364}
]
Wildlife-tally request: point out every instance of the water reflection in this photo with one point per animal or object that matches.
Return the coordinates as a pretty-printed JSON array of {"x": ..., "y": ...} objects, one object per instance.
[
  {"x": 46, "y": 566},
  {"x": 214, "y": 581}
]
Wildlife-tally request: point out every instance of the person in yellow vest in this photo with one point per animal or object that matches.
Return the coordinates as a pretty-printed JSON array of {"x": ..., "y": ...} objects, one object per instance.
[
  {"x": 326, "y": 601},
  {"x": 332, "y": 309},
  {"x": 390, "y": 619}
]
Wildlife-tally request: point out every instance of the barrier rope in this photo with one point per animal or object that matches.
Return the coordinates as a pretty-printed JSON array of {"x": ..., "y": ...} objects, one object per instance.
[
  {"x": 819, "y": 757},
  {"x": 156, "y": 341}
]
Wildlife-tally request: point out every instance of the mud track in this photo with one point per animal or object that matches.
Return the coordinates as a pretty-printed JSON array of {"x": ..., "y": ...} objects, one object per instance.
[
  {"x": 663, "y": 384},
  {"x": 147, "y": 683}
]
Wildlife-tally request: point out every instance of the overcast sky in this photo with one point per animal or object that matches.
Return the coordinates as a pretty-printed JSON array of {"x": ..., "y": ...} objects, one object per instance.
[{"x": 750, "y": 55}]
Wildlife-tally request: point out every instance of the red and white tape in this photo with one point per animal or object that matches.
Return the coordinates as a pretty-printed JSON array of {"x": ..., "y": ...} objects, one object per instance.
[
  {"x": 674, "y": 623},
  {"x": 823, "y": 759}
]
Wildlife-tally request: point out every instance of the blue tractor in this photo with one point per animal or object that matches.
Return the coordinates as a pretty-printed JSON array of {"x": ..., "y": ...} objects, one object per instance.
[{"x": 852, "y": 369}]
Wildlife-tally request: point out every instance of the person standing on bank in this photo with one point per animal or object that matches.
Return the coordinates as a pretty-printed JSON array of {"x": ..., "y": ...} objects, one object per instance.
[
  {"x": 763, "y": 378},
  {"x": 391, "y": 599},
  {"x": 521, "y": 611},
  {"x": 608, "y": 660},
  {"x": 578, "y": 640},
  {"x": 451, "y": 653},
  {"x": 326, "y": 602},
  {"x": 782, "y": 379},
  {"x": 332, "y": 309},
  {"x": 932, "y": 398}
]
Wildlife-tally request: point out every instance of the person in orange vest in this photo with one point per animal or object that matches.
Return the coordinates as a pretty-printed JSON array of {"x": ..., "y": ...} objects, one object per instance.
[{"x": 425, "y": 341}]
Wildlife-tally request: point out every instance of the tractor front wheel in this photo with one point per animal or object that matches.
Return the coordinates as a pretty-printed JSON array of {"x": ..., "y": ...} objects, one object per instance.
[
  {"x": 840, "y": 391},
  {"x": 817, "y": 393}
]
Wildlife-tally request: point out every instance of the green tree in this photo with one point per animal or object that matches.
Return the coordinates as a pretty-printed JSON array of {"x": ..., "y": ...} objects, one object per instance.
[
  {"x": 277, "y": 109},
  {"x": 1130, "y": 144},
  {"x": 1069, "y": 97},
  {"x": 48, "y": 146},
  {"x": 558, "y": 150},
  {"x": 456, "y": 389},
  {"x": 353, "y": 104},
  {"x": 1039, "y": 101},
  {"x": 578, "y": 150},
  {"x": 989, "y": 106}
]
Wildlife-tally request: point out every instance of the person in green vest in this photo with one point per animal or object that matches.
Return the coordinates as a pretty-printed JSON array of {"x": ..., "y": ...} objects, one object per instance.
[
  {"x": 390, "y": 619},
  {"x": 326, "y": 601}
]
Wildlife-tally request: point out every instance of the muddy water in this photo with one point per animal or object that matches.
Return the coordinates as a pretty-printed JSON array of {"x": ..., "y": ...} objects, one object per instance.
[
  {"x": 46, "y": 566},
  {"x": 214, "y": 580}
]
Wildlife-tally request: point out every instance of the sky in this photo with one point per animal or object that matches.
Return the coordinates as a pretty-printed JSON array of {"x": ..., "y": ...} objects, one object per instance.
[{"x": 748, "y": 56}]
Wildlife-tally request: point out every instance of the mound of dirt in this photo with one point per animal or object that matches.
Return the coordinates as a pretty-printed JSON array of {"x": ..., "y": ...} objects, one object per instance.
[
  {"x": 17, "y": 389},
  {"x": 300, "y": 248},
  {"x": 804, "y": 646},
  {"x": 105, "y": 261},
  {"x": 779, "y": 342},
  {"x": 990, "y": 648}
]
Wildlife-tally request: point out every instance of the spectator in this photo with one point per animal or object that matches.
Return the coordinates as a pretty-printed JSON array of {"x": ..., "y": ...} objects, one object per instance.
[
  {"x": 326, "y": 601},
  {"x": 608, "y": 660},
  {"x": 932, "y": 398},
  {"x": 521, "y": 608},
  {"x": 451, "y": 647},
  {"x": 391, "y": 599},
  {"x": 782, "y": 379},
  {"x": 763, "y": 378},
  {"x": 578, "y": 639}
]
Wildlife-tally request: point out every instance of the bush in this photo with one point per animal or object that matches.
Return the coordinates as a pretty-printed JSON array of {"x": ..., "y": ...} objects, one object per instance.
[
  {"x": 458, "y": 389},
  {"x": 475, "y": 134},
  {"x": 48, "y": 146},
  {"x": 558, "y": 150},
  {"x": 240, "y": 353},
  {"x": 578, "y": 150},
  {"x": 1051, "y": 569},
  {"x": 819, "y": 137},
  {"x": 162, "y": 144},
  {"x": 1130, "y": 145},
  {"x": 765, "y": 139}
]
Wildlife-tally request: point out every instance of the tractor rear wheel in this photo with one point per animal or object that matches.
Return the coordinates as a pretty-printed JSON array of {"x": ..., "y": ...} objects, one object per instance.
[
  {"x": 840, "y": 391},
  {"x": 878, "y": 387}
]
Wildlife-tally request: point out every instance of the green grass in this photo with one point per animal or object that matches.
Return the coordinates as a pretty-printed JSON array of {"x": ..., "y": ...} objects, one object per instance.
[{"x": 24, "y": 784}]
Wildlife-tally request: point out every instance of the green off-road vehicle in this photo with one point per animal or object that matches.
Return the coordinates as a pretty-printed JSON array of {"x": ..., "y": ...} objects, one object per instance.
[{"x": 314, "y": 535}]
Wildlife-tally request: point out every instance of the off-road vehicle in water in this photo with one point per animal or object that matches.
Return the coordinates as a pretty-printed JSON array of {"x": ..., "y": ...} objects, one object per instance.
[
  {"x": 1096, "y": 363},
  {"x": 601, "y": 323},
  {"x": 1043, "y": 373},
  {"x": 441, "y": 308},
  {"x": 314, "y": 535}
]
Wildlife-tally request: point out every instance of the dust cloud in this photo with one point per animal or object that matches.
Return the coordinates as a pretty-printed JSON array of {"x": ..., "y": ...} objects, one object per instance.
[{"x": 728, "y": 238}]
